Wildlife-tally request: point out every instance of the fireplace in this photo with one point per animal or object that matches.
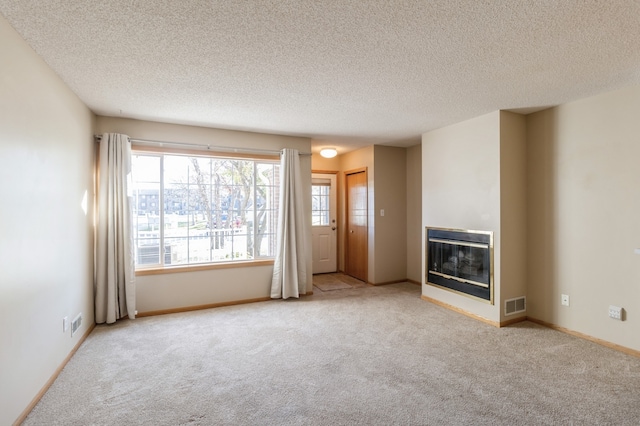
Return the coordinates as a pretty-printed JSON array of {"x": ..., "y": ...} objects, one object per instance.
[{"x": 460, "y": 261}]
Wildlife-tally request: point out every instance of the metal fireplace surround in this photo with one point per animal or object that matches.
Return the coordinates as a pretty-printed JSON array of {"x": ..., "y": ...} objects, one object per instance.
[{"x": 460, "y": 261}]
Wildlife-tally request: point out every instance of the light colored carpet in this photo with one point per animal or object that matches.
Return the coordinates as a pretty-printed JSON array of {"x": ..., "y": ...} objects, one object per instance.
[{"x": 365, "y": 356}]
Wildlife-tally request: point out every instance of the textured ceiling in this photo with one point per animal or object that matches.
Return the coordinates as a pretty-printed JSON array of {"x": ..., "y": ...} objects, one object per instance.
[{"x": 345, "y": 72}]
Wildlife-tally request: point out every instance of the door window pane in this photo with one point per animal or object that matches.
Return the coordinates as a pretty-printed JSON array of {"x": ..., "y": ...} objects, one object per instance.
[{"x": 320, "y": 204}]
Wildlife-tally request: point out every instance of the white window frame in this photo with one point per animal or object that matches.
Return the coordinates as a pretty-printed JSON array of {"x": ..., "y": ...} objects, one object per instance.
[{"x": 255, "y": 259}]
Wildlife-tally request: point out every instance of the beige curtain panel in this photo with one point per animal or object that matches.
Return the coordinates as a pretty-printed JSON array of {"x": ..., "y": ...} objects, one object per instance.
[
  {"x": 290, "y": 268},
  {"x": 115, "y": 268}
]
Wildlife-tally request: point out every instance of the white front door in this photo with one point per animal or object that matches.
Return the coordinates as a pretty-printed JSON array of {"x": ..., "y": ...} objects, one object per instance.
[{"x": 324, "y": 230}]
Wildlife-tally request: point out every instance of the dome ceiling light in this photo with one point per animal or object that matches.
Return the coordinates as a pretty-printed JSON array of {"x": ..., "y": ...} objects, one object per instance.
[{"x": 328, "y": 152}]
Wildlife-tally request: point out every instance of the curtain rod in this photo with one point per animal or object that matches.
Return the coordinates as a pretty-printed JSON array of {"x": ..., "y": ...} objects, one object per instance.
[{"x": 205, "y": 147}]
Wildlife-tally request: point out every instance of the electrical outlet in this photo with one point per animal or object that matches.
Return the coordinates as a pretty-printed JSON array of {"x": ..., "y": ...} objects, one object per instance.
[
  {"x": 65, "y": 324},
  {"x": 615, "y": 312},
  {"x": 565, "y": 300}
]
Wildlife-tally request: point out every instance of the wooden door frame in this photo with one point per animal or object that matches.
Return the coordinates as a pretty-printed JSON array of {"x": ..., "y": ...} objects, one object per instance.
[{"x": 346, "y": 220}]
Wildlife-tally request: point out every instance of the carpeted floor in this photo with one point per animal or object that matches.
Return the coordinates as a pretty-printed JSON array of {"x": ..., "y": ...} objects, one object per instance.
[{"x": 357, "y": 356}]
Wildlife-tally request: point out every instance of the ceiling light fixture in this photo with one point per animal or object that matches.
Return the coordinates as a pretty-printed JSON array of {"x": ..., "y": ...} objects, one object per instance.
[{"x": 328, "y": 152}]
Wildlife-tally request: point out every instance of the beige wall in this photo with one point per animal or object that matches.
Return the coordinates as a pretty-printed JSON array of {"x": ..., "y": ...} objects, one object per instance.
[
  {"x": 179, "y": 290},
  {"x": 198, "y": 288},
  {"x": 46, "y": 243},
  {"x": 583, "y": 227},
  {"x": 474, "y": 177},
  {"x": 140, "y": 129},
  {"x": 388, "y": 174},
  {"x": 325, "y": 164},
  {"x": 461, "y": 189},
  {"x": 414, "y": 228},
  {"x": 513, "y": 209},
  {"x": 569, "y": 174},
  {"x": 390, "y": 165},
  {"x": 360, "y": 158}
]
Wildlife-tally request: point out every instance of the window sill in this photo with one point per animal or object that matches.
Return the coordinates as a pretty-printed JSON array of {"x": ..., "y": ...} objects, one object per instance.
[{"x": 207, "y": 267}]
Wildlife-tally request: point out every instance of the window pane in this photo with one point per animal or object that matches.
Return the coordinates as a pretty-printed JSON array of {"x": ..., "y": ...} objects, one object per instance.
[
  {"x": 147, "y": 251},
  {"x": 146, "y": 168},
  {"x": 200, "y": 248},
  {"x": 242, "y": 235},
  {"x": 219, "y": 206},
  {"x": 199, "y": 170},
  {"x": 145, "y": 208},
  {"x": 267, "y": 194},
  {"x": 220, "y": 245},
  {"x": 176, "y": 209},
  {"x": 265, "y": 234},
  {"x": 176, "y": 169},
  {"x": 320, "y": 205},
  {"x": 198, "y": 208},
  {"x": 267, "y": 174},
  {"x": 176, "y": 251},
  {"x": 212, "y": 209}
]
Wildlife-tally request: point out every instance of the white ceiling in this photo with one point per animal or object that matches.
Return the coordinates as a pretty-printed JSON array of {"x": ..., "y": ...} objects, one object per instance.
[{"x": 347, "y": 73}]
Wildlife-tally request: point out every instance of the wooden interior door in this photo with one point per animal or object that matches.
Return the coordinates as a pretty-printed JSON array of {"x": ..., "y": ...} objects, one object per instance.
[{"x": 356, "y": 253}]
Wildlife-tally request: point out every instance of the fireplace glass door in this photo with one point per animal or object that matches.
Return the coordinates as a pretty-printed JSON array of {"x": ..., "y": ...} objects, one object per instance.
[{"x": 460, "y": 261}]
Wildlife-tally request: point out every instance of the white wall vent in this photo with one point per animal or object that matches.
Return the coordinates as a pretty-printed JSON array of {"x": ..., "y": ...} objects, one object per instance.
[
  {"x": 76, "y": 323},
  {"x": 515, "y": 306}
]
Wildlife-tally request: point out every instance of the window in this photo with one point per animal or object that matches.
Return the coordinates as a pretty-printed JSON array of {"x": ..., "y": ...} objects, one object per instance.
[
  {"x": 198, "y": 209},
  {"x": 320, "y": 203}
]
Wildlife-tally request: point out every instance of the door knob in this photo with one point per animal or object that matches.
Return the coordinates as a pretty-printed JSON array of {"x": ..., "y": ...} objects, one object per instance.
[
  {"x": 352, "y": 231},
  {"x": 333, "y": 228}
]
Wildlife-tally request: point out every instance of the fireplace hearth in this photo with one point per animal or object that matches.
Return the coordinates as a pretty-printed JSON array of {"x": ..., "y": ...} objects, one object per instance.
[{"x": 461, "y": 261}]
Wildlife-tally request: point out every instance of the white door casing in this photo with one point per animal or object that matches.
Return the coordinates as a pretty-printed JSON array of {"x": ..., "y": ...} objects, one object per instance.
[{"x": 324, "y": 229}]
